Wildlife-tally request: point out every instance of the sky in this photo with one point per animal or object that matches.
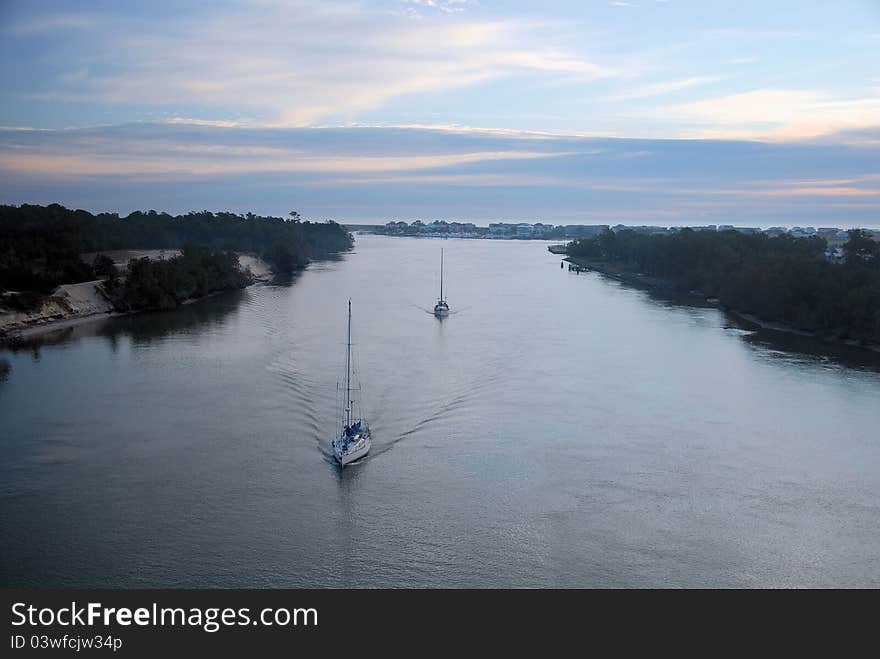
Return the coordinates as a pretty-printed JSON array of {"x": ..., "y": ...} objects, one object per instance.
[{"x": 572, "y": 112}]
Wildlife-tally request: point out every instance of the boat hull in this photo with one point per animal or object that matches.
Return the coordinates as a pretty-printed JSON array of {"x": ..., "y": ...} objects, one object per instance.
[
  {"x": 441, "y": 310},
  {"x": 347, "y": 452}
]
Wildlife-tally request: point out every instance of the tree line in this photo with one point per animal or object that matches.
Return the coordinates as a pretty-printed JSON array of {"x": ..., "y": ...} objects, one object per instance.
[
  {"x": 164, "y": 284},
  {"x": 776, "y": 278},
  {"x": 40, "y": 246}
]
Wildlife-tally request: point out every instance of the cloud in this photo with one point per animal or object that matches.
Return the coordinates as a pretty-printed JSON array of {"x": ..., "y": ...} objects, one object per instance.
[
  {"x": 50, "y": 23},
  {"x": 304, "y": 63},
  {"x": 661, "y": 88},
  {"x": 150, "y": 150},
  {"x": 841, "y": 191},
  {"x": 219, "y": 160},
  {"x": 378, "y": 173},
  {"x": 779, "y": 114},
  {"x": 445, "y": 6},
  {"x": 300, "y": 63},
  {"x": 866, "y": 136},
  {"x": 205, "y": 122}
]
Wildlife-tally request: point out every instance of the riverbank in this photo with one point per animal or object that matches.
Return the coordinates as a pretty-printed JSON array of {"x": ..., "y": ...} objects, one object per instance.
[
  {"x": 67, "y": 305},
  {"x": 25, "y": 333},
  {"x": 74, "y": 304},
  {"x": 633, "y": 278},
  {"x": 669, "y": 290}
]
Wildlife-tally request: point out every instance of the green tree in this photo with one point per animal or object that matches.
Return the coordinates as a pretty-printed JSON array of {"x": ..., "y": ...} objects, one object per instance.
[
  {"x": 861, "y": 248},
  {"x": 104, "y": 267}
]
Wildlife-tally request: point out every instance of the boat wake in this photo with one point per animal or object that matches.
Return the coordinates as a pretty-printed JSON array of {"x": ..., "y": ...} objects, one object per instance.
[
  {"x": 328, "y": 457},
  {"x": 298, "y": 388},
  {"x": 430, "y": 311},
  {"x": 444, "y": 411}
]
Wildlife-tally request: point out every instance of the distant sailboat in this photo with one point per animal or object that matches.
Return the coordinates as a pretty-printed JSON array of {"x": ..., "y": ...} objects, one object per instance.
[
  {"x": 354, "y": 439},
  {"x": 441, "y": 309}
]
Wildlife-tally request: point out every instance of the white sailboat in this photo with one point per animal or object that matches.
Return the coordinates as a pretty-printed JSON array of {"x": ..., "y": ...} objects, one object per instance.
[
  {"x": 354, "y": 439},
  {"x": 441, "y": 309}
]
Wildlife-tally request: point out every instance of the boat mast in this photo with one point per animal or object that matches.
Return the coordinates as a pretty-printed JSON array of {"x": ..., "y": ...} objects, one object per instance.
[
  {"x": 441, "y": 274},
  {"x": 348, "y": 371}
]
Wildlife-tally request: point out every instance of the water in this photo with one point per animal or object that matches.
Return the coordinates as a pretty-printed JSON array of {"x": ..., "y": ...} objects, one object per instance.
[{"x": 556, "y": 430}]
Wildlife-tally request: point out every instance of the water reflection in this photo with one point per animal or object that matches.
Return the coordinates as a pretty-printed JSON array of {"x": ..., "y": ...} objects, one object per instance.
[
  {"x": 142, "y": 328},
  {"x": 789, "y": 346},
  {"x": 559, "y": 431},
  {"x": 200, "y": 317},
  {"x": 806, "y": 349},
  {"x": 290, "y": 278}
]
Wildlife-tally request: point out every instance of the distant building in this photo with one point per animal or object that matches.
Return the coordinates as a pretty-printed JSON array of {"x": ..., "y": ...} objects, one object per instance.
[
  {"x": 462, "y": 227},
  {"x": 835, "y": 254},
  {"x": 524, "y": 230},
  {"x": 540, "y": 230},
  {"x": 396, "y": 227},
  {"x": 437, "y": 226},
  {"x": 583, "y": 230},
  {"x": 501, "y": 230}
]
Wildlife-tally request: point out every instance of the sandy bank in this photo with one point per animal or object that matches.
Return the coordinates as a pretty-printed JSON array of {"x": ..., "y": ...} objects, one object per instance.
[
  {"x": 74, "y": 304},
  {"x": 258, "y": 267},
  {"x": 67, "y": 303},
  {"x": 121, "y": 257}
]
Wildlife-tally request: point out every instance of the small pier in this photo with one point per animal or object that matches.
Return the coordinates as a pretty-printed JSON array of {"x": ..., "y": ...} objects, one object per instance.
[{"x": 574, "y": 267}]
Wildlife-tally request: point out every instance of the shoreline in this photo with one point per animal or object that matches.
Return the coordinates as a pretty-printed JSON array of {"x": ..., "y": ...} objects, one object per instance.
[
  {"x": 23, "y": 334},
  {"x": 260, "y": 271},
  {"x": 30, "y": 331},
  {"x": 667, "y": 289}
]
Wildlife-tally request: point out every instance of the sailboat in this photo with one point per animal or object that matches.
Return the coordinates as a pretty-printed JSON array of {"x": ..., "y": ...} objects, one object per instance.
[
  {"x": 441, "y": 309},
  {"x": 354, "y": 439}
]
